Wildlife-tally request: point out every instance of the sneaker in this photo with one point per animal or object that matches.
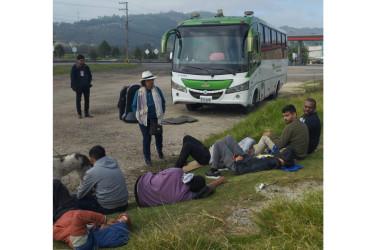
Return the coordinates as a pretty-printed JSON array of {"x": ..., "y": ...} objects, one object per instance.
[
  {"x": 222, "y": 167},
  {"x": 88, "y": 115},
  {"x": 79, "y": 116},
  {"x": 148, "y": 162},
  {"x": 211, "y": 174},
  {"x": 160, "y": 155}
]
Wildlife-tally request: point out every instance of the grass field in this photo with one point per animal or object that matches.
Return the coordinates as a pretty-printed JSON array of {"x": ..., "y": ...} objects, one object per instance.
[
  {"x": 63, "y": 69},
  {"x": 286, "y": 215}
]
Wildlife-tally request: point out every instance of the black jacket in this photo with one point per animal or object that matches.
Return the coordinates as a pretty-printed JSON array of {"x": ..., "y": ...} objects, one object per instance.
[
  {"x": 256, "y": 163},
  {"x": 314, "y": 126},
  {"x": 78, "y": 80}
]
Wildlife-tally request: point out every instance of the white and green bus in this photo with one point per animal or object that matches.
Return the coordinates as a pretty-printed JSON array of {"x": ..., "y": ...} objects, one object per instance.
[{"x": 226, "y": 60}]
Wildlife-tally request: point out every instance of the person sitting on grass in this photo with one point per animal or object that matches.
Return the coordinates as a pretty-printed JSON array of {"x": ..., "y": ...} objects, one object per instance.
[
  {"x": 240, "y": 162},
  {"x": 107, "y": 181},
  {"x": 311, "y": 119},
  {"x": 170, "y": 186},
  {"x": 196, "y": 149},
  {"x": 294, "y": 135},
  {"x": 85, "y": 230}
]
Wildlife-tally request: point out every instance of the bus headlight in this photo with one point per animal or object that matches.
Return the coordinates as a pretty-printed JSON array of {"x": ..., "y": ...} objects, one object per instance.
[
  {"x": 178, "y": 87},
  {"x": 241, "y": 87}
]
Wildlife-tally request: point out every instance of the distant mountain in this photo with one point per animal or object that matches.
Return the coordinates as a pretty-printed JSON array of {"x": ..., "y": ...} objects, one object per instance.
[
  {"x": 143, "y": 29},
  {"x": 302, "y": 31}
]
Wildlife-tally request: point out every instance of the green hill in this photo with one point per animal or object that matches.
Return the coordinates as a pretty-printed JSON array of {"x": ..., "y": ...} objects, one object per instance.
[{"x": 143, "y": 29}]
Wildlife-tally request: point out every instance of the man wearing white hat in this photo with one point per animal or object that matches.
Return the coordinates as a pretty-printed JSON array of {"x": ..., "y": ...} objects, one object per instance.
[{"x": 149, "y": 109}]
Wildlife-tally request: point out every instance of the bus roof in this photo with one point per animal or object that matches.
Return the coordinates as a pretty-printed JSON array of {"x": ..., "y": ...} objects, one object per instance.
[{"x": 227, "y": 20}]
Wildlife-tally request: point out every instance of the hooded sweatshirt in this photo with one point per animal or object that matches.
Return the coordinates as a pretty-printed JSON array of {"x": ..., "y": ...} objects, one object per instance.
[{"x": 108, "y": 181}]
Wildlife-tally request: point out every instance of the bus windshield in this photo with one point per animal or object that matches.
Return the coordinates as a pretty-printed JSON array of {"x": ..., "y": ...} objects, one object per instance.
[{"x": 211, "y": 49}]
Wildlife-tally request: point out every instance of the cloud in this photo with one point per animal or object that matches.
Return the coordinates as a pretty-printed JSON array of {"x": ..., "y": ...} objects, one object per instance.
[{"x": 283, "y": 12}]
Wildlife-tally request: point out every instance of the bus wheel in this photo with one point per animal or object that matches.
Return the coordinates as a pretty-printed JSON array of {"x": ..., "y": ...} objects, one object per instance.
[
  {"x": 252, "y": 107},
  {"x": 246, "y": 110},
  {"x": 193, "y": 107},
  {"x": 275, "y": 95}
]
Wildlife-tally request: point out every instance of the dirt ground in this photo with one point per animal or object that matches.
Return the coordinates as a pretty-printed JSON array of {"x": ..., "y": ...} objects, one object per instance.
[{"x": 122, "y": 140}]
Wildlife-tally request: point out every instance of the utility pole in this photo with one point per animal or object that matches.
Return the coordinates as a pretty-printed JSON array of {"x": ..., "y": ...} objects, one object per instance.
[{"x": 127, "y": 29}]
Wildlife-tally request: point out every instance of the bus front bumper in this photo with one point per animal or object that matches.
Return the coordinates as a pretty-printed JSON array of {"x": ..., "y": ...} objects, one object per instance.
[{"x": 218, "y": 97}]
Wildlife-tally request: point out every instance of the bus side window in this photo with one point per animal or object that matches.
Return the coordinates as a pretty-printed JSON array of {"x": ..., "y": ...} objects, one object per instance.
[
  {"x": 262, "y": 34},
  {"x": 267, "y": 35},
  {"x": 279, "y": 39},
  {"x": 273, "y": 37}
]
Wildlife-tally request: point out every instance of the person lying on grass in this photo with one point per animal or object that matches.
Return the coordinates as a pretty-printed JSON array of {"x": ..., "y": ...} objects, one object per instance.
[
  {"x": 196, "y": 149},
  {"x": 82, "y": 229},
  {"x": 170, "y": 186},
  {"x": 239, "y": 162}
]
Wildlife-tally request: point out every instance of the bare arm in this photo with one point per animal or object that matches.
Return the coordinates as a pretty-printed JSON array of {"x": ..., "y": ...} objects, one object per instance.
[{"x": 217, "y": 182}]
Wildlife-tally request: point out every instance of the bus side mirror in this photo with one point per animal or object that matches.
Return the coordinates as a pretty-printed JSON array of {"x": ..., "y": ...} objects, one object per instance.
[
  {"x": 250, "y": 41},
  {"x": 165, "y": 38}
]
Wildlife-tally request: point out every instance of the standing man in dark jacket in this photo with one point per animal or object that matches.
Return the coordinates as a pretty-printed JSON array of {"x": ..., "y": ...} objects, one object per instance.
[
  {"x": 81, "y": 78},
  {"x": 311, "y": 119}
]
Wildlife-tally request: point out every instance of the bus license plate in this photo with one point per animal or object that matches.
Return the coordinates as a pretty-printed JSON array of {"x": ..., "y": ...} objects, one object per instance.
[{"x": 205, "y": 99}]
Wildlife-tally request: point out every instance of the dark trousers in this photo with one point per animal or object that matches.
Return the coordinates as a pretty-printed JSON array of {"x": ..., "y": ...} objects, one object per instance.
[
  {"x": 89, "y": 202},
  {"x": 62, "y": 201},
  {"x": 147, "y": 138},
  {"x": 196, "y": 149},
  {"x": 86, "y": 93}
]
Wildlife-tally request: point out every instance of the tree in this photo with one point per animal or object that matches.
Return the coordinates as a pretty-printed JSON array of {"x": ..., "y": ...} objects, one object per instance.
[
  {"x": 304, "y": 53},
  {"x": 115, "y": 51},
  {"x": 104, "y": 49},
  {"x": 59, "y": 50},
  {"x": 92, "y": 54}
]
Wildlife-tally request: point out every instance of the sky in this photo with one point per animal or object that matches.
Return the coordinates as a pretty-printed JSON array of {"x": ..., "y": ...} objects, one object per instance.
[{"x": 293, "y": 13}]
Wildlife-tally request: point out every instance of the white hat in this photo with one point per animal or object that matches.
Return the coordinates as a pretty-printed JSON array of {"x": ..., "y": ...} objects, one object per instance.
[{"x": 147, "y": 75}]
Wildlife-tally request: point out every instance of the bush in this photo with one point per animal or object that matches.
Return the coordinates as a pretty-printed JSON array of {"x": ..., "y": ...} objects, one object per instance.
[{"x": 93, "y": 54}]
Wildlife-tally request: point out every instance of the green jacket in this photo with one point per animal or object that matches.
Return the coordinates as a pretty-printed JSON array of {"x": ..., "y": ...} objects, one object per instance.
[{"x": 294, "y": 135}]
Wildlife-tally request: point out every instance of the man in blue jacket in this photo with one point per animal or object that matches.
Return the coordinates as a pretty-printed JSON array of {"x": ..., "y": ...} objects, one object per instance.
[
  {"x": 311, "y": 120},
  {"x": 107, "y": 181},
  {"x": 81, "y": 78}
]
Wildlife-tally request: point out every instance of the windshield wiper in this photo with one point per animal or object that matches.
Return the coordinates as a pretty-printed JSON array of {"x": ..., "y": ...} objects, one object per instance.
[
  {"x": 198, "y": 68},
  {"x": 225, "y": 70}
]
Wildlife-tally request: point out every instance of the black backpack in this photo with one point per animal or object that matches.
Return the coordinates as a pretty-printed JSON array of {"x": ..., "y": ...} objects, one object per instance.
[{"x": 126, "y": 98}]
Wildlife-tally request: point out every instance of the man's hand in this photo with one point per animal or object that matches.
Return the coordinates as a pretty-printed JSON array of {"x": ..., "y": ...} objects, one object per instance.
[
  {"x": 267, "y": 133},
  {"x": 109, "y": 222},
  {"x": 239, "y": 158}
]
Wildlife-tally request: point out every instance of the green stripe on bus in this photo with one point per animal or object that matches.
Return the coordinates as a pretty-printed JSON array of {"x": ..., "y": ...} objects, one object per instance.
[{"x": 198, "y": 84}]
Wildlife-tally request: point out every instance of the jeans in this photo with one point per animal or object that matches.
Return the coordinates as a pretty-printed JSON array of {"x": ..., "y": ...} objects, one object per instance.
[
  {"x": 196, "y": 149},
  {"x": 265, "y": 142},
  {"x": 86, "y": 93},
  {"x": 147, "y": 138},
  {"x": 225, "y": 151},
  {"x": 89, "y": 202}
]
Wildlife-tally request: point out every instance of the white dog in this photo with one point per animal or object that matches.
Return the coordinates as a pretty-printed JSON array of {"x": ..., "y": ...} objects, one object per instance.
[{"x": 65, "y": 164}]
